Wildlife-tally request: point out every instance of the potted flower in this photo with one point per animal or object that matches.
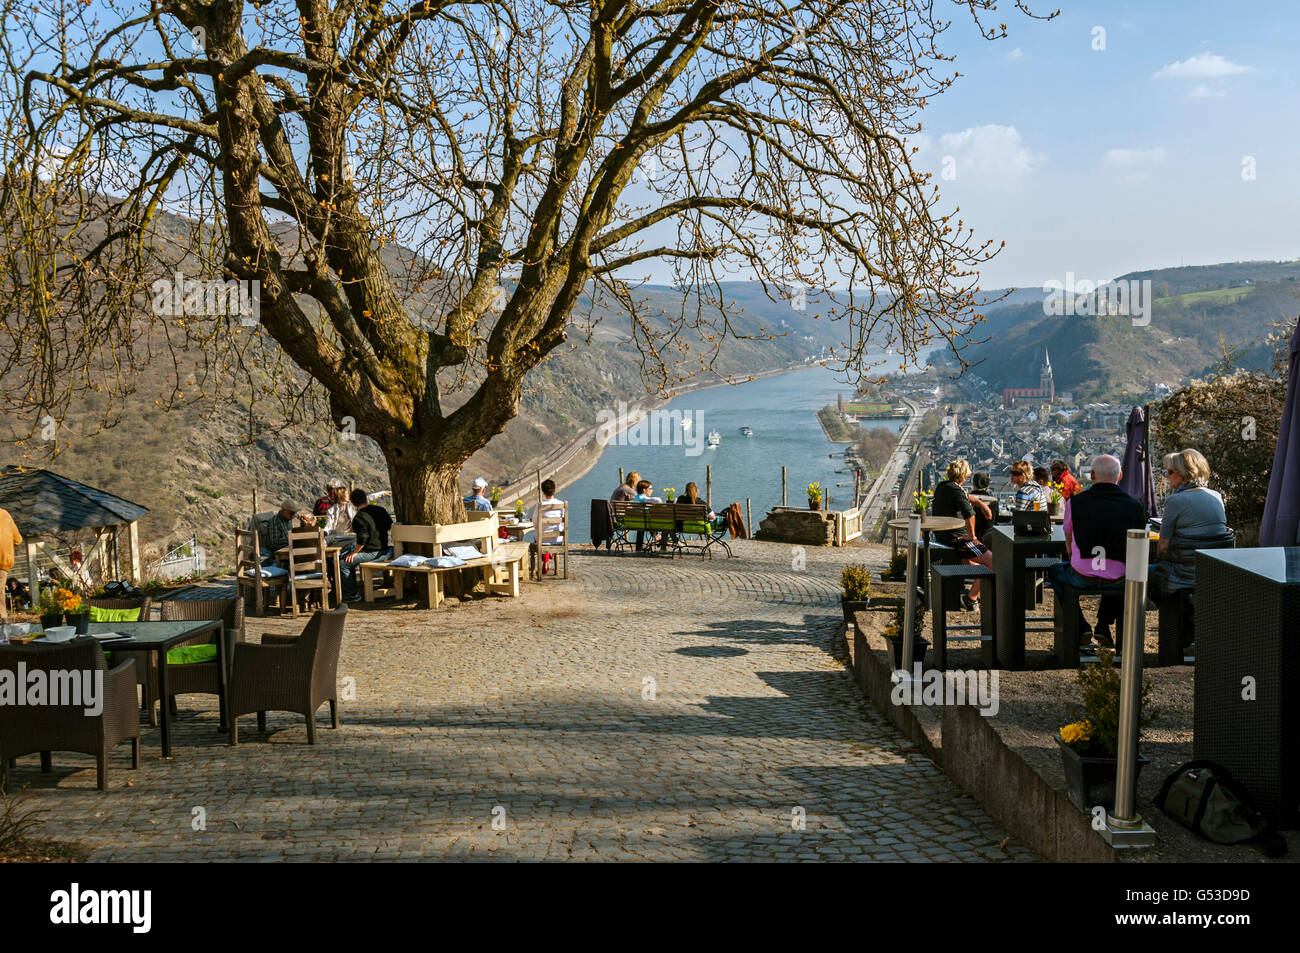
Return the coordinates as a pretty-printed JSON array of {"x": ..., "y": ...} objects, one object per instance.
[
  {"x": 1090, "y": 744},
  {"x": 670, "y": 493},
  {"x": 76, "y": 612},
  {"x": 921, "y": 501},
  {"x": 814, "y": 496},
  {"x": 898, "y": 566},
  {"x": 496, "y": 496},
  {"x": 855, "y": 583},
  {"x": 893, "y": 637},
  {"x": 50, "y": 606},
  {"x": 1056, "y": 499},
  {"x": 519, "y": 510}
]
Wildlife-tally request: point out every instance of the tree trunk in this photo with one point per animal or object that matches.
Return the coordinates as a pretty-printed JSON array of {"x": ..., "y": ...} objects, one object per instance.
[{"x": 424, "y": 487}]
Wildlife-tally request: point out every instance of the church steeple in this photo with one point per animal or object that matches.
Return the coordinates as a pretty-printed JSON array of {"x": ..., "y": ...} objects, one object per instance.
[{"x": 1046, "y": 384}]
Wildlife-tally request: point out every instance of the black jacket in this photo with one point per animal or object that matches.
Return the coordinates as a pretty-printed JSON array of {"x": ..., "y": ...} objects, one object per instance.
[
  {"x": 1102, "y": 516},
  {"x": 951, "y": 500}
]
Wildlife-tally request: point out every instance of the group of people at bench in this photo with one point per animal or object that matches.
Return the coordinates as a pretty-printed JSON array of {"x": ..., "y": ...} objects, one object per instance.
[{"x": 1096, "y": 523}]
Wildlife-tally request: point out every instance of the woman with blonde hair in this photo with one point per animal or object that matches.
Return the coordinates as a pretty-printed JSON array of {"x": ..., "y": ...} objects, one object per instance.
[
  {"x": 1193, "y": 513},
  {"x": 950, "y": 499}
]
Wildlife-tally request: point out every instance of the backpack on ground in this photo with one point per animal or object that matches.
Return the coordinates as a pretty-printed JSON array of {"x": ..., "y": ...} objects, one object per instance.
[{"x": 1205, "y": 798}]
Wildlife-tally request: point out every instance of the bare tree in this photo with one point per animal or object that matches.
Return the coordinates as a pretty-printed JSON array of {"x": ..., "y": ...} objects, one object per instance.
[{"x": 427, "y": 193}]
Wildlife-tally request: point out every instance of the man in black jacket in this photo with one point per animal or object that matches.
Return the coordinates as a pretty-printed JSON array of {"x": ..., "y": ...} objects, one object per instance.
[{"x": 1097, "y": 522}]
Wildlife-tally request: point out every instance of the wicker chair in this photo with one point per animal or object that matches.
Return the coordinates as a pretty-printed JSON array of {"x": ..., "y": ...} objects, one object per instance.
[
  {"x": 28, "y": 729},
  {"x": 200, "y": 678},
  {"x": 146, "y": 668},
  {"x": 289, "y": 673}
]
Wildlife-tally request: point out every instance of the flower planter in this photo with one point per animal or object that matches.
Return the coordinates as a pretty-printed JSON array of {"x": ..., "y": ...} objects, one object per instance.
[
  {"x": 1056, "y": 510},
  {"x": 919, "y": 648},
  {"x": 1091, "y": 778},
  {"x": 814, "y": 504},
  {"x": 82, "y": 622},
  {"x": 851, "y": 606},
  {"x": 51, "y": 619}
]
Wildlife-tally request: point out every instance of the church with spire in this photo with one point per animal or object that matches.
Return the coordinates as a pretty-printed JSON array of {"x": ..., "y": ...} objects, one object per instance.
[{"x": 1025, "y": 393}]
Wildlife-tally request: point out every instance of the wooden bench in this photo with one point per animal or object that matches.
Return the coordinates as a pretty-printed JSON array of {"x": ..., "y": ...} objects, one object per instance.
[
  {"x": 675, "y": 520},
  {"x": 501, "y": 564}
]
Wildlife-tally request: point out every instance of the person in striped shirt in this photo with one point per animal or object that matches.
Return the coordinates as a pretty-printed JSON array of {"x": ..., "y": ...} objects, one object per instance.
[{"x": 1028, "y": 491}]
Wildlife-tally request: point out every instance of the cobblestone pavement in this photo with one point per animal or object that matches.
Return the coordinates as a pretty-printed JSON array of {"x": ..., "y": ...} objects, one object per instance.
[{"x": 645, "y": 709}]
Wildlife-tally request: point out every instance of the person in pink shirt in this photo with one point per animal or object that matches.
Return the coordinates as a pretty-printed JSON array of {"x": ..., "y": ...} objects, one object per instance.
[{"x": 1097, "y": 521}]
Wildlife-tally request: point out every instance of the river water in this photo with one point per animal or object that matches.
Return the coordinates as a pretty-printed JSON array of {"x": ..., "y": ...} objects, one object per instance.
[{"x": 781, "y": 410}]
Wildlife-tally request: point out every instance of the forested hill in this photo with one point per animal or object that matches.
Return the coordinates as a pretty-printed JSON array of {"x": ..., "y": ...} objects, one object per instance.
[{"x": 1106, "y": 356}]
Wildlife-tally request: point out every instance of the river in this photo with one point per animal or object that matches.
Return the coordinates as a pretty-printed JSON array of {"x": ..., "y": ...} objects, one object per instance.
[{"x": 781, "y": 410}]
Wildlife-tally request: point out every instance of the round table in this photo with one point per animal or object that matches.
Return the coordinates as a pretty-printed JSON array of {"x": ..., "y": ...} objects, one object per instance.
[{"x": 929, "y": 524}]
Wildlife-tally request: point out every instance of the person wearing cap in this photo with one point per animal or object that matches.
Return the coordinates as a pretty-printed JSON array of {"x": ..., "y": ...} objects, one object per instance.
[
  {"x": 273, "y": 531},
  {"x": 476, "y": 499}
]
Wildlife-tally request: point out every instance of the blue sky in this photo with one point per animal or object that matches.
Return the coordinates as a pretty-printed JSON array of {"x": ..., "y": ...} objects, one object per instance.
[{"x": 1102, "y": 161}]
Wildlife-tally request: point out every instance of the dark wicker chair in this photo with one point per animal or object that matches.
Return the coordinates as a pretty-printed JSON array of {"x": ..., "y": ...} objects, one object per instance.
[
  {"x": 294, "y": 673},
  {"x": 200, "y": 678},
  {"x": 29, "y": 729},
  {"x": 146, "y": 668}
]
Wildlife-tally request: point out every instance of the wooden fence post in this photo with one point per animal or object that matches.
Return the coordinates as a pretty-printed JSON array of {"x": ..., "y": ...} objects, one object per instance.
[
  {"x": 783, "y": 502},
  {"x": 708, "y": 484}
]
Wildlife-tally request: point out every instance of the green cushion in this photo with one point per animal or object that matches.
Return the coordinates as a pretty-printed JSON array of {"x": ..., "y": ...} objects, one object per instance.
[
  {"x": 703, "y": 527},
  {"x": 188, "y": 654},
  {"x": 114, "y": 615}
]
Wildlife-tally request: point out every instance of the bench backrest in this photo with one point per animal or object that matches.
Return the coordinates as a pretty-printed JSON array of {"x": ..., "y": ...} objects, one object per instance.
[
  {"x": 413, "y": 538},
  {"x": 482, "y": 532}
]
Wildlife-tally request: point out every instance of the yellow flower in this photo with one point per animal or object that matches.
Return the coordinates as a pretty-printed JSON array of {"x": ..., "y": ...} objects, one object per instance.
[{"x": 1077, "y": 732}]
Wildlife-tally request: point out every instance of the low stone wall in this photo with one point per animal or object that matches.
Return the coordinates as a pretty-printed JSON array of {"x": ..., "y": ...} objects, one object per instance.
[
  {"x": 797, "y": 526},
  {"x": 963, "y": 743}
]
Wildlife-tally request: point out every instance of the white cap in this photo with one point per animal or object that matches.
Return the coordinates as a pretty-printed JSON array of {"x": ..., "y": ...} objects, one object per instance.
[{"x": 480, "y": 483}]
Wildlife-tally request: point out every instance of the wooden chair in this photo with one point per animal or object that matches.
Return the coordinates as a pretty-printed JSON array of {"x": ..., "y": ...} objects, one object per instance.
[
  {"x": 552, "y": 536},
  {"x": 248, "y": 571},
  {"x": 296, "y": 673},
  {"x": 308, "y": 569}
]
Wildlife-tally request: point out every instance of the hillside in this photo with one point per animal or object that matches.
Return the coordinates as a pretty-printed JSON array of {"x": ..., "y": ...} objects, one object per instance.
[
  {"x": 196, "y": 469},
  {"x": 1104, "y": 357}
]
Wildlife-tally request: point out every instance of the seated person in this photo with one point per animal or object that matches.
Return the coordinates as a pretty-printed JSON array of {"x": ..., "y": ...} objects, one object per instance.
[
  {"x": 626, "y": 490},
  {"x": 1029, "y": 494},
  {"x": 380, "y": 516},
  {"x": 1062, "y": 475},
  {"x": 554, "y": 535},
  {"x": 980, "y": 491},
  {"x": 692, "y": 495},
  {"x": 338, "y": 515},
  {"x": 1097, "y": 521},
  {"x": 17, "y": 595},
  {"x": 1042, "y": 478},
  {"x": 476, "y": 500},
  {"x": 368, "y": 547},
  {"x": 1193, "y": 512},
  {"x": 273, "y": 530},
  {"x": 643, "y": 490},
  {"x": 950, "y": 499}
]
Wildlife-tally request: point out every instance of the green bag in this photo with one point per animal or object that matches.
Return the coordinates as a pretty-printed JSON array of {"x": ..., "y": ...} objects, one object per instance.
[{"x": 1204, "y": 797}]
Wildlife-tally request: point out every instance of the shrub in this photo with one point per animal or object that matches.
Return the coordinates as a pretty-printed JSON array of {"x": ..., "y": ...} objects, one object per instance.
[
  {"x": 898, "y": 565},
  {"x": 1099, "y": 726},
  {"x": 855, "y": 580},
  {"x": 15, "y": 824}
]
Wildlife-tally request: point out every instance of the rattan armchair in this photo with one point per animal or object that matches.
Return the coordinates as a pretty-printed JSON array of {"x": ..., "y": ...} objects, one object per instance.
[
  {"x": 200, "y": 678},
  {"x": 146, "y": 668},
  {"x": 29, "y": 729},
  {"x": 289, "y": 673}
]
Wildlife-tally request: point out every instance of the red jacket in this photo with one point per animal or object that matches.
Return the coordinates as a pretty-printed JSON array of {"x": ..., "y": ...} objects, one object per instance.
[{"x": 1069, "y": 485}]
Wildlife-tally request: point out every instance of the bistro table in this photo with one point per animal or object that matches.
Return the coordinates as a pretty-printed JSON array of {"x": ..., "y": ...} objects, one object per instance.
[
  {"x": 929, "y": 525},
  {"x": 1009, "y": 554},
  {"x": 159, "y": 637}
]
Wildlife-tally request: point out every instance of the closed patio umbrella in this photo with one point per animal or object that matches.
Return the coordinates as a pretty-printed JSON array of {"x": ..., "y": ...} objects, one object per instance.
[
  {"x": 1281, "y": 523},
  {"x": 1138, "y": 480}
]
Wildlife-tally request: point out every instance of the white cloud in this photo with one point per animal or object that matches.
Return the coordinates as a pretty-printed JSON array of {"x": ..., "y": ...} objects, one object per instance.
[
  {"x": 1015, "y": 54},
  {"x": 1133, "y": 165},
  {"x": 989, "y": 153},
  {"x": 1205, "y": 91},
  {"x": 1201, "y": 66}
]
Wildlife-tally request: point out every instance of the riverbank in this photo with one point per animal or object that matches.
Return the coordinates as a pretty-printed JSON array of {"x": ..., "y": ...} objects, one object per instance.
[{"x": 576, "y": 458}]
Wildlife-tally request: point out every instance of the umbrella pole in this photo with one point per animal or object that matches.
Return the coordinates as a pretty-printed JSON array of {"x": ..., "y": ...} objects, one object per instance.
[{"x": 1146, "y": 458}]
